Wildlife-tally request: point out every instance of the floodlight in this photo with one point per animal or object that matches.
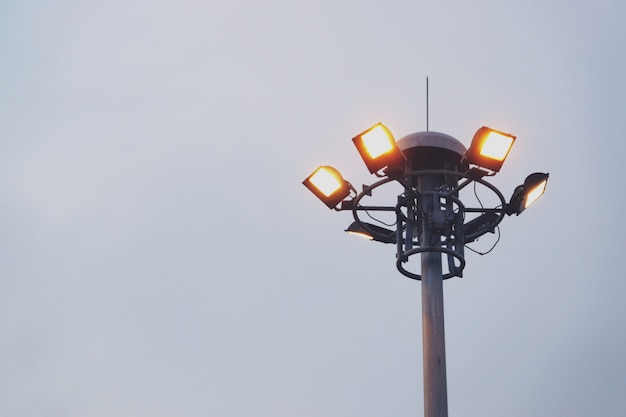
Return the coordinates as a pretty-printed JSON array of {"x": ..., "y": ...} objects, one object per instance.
[
  {"x": 477, "y": 227},
  {"x": 527, "y": 193},
  {"x": 356, "y": 230},
  {"x": 489, "y": 148},
  {"x": 372, "y": 232},
  {"x": 378, "y": 148},
  {"x": 328, "y": 185}
]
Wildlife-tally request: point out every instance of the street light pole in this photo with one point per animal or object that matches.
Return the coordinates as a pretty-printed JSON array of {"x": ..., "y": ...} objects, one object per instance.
[
  {"x": 436, "y": 153},
  {"x": 433, "y": 335}
]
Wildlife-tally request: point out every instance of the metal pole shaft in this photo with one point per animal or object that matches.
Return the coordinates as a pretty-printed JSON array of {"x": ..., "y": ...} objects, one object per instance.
[{"x": 433, "y": 338}]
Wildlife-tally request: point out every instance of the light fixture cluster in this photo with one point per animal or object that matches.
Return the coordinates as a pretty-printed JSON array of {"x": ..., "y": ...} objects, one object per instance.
[
  {"x": 381, "y": 154},
  {"x": 432, "y": 225}
]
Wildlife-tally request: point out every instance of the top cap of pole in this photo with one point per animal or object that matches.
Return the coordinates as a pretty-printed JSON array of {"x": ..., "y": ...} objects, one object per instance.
[
  {"x": 432, "y": 150},
  {"x": 432, "y": 140}
]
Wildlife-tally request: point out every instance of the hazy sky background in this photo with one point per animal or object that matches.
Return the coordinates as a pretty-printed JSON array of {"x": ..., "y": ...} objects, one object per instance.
[{"x": 160, "y": 256}]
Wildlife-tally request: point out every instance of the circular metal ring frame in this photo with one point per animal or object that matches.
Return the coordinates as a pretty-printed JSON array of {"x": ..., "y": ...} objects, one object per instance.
[
  {"x": 404, "y": 180},
  {"x": 413, "y": 251}
]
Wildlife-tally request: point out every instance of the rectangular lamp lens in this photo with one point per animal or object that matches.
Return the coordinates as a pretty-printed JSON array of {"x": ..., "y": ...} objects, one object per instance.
[
  {"x": 377, "y": 142},
  {"x": 496, "y": 146},
  {"x": 362, "y": 234},
  {"x": 325, "y": 181},
  {"x": 535, "y": 193}
]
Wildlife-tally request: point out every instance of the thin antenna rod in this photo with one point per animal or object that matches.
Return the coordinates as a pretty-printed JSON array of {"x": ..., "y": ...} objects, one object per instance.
[{"x": 427, "y": 104}]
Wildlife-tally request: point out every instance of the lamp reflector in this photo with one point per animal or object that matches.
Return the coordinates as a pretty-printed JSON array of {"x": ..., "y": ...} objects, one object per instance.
[
  {"x": 372, "y": 232},
  {"x": 378, "y": 148},
  {"x": 326, "y": 180},
  {"x": 377, "y": 141},
  {"x": 535, "y": 193},
  {"x": 489, "y": 148},
  {"x": 526, "y": 194},
  {"x": 328, "y": 185},
  {"x": 361, "y": 234},
  {"x": 496, "y": 146}
]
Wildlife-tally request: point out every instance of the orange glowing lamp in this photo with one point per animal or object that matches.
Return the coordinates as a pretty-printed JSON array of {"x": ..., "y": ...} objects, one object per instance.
[
  {"x": 489, "y": 148},
  {"x": 378, "y": 148},
  {"x": 328, "y": 185}
]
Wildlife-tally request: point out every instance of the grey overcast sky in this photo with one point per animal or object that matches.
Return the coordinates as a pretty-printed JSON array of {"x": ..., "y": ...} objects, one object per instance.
[{"x": 160, "y": 257}]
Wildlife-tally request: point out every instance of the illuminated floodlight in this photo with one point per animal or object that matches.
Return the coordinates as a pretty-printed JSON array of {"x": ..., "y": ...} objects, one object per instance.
[
  {"x": 489, "y": 148},
  {"x": 526, "y": 194},
  {"x": 373, "y": 232},
  {"x": 377, "y": 141},
  {"x": 355, "y": 230},
  {"x": 536, "y": 186},
  {"x": 378, "y": 148},
  {"x": 328, "y": 185}
]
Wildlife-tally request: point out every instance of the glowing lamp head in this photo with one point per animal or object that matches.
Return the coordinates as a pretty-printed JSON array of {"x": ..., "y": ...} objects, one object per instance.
[
  {"x": 326, "y": 181},
  {"x": 372, "y": 232},
  {"x": 535, "y": 185},
  {"x": 377, "y": 141},
  {"x": 489, "y": 148},
  {"x": 496, "y": 146},
  {"x": 328, "y": 185},
  {"x": 526, "y": 194},
  {"x": 378, "y": 148},
  {"x": 361, "y": 234}
]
